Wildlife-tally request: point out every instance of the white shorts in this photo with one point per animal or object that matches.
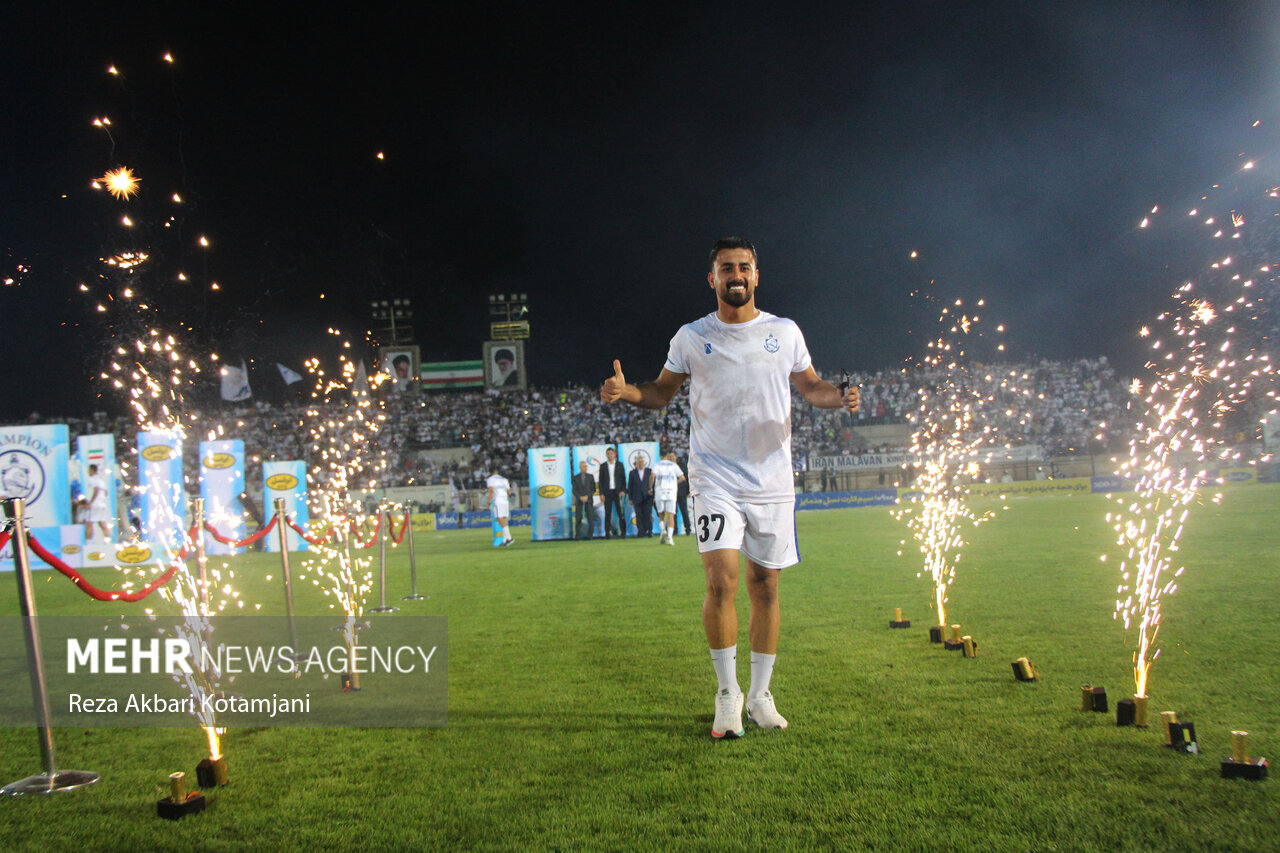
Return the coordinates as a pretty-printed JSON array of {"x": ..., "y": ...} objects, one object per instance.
[
  {"x": 664, "y": 504},
  {"x": 764, "y": 533},
  {"x": 500, "y": 509}
]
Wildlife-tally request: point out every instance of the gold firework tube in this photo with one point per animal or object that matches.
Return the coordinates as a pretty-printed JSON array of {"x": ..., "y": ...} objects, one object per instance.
[
  {"x": 1168, "y": 718},
  {"x": 1140, "y": 711},
  {"x": 970, "y": 648},
  {"x": 1240, "y": 747},
  {"x": 220, "y": 770},
  {"x": 1086, "y": 698},
  {"x": 955, "y": 633},
  {"x": 897, "y": 614},
  {"x": 1024, "y": 668},
  {"x": 178, "y": 787}
]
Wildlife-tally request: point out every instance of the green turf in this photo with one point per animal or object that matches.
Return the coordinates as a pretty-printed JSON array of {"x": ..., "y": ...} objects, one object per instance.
[{"x": 580, "y": 699}]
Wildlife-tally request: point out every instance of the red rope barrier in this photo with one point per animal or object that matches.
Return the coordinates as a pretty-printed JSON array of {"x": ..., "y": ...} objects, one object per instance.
[
  {"x": 391, "y": 529},
  {"x": 303, "y": 534},
  {"x": 373, "y": 537},
  {"x": 249, "y": 540},
  {"x": 91, "y": 590}
]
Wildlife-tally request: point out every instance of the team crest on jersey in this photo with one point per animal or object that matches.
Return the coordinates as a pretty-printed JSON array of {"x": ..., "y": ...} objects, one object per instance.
[
  {"x": 708, "y": 349},
  {"x": 771, "y": 344}
]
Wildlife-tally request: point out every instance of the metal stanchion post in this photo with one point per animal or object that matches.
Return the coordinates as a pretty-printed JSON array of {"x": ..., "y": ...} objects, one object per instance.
[
  {"x": 51, "y": 781},
  {"x": 382, "y": 563},
  {"x": 413, "y": 563},
  {"x": 202, "y": 570},
  {"x": 282, "y": 528}
]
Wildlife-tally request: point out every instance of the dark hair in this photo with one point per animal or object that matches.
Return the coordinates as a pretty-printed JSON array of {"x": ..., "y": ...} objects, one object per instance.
[
  {"x": 400, "y": 359},
  {"x": 733, "y": 243},
  {"x": 506, "y": 354}
]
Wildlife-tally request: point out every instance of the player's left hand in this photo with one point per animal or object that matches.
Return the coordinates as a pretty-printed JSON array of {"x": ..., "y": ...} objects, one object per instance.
[{"x": 852, "y": 399}]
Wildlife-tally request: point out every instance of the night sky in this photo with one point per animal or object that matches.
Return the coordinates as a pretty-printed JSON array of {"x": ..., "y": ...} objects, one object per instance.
[{"x": 590, "y": 158}]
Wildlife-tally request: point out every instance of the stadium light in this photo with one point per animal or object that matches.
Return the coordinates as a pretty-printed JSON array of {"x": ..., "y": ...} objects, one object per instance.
[
  {"x": 508, "y": 313},
  {"x": 395, "y": 314}
]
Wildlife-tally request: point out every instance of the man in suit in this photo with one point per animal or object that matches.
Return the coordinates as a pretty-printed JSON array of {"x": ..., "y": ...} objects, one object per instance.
[
  {"x": 640, "y": 493},
  {"x": 584, "y": 489},
  {"x": 613, "y": 481}
]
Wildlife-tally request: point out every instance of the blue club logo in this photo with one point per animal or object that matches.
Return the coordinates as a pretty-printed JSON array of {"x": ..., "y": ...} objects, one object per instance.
[
  {"x": 771, "y": 344},
  {"x": 21, "y": 476},
  {"x": 708, "y": 349}
]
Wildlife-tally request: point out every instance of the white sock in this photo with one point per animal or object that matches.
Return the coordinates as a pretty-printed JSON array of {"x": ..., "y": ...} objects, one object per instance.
[
  {"x": 725, "y": 662},
  {"x": 761, "y": 672},
  {"x": 506, "y": 534}
]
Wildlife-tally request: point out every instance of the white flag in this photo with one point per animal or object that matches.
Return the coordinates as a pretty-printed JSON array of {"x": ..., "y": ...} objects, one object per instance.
[
  {"x": 235, "y": 382},
  {"x": 290, "y": 376},
  {"x": 362, "y": 379}
]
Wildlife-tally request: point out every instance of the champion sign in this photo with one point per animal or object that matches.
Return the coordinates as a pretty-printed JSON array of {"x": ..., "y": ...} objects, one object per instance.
[
  {"x": 21, "y": 475},
  {"x": 34, "y": 462}
]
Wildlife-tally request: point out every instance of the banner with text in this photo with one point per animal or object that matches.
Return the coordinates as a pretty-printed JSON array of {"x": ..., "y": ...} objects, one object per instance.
[
  {"x": 550, "y": 492},
  {"x": 846, "y": 500},
  {"x": 221, "y": 484},
  {"x": 864, "y": 460},
  {"x": 286, "y": 481},
  {"x": 33, "y": 467}
]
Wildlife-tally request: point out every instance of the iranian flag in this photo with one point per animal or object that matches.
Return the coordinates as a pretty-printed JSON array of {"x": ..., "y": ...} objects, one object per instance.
[{"x": 438, "y": 375}]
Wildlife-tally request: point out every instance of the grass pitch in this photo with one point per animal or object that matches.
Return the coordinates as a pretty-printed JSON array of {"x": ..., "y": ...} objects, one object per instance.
[{"x": 580, "y": 706}]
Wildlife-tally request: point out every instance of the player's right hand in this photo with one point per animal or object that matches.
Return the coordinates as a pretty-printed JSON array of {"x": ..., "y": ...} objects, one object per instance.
[{"x": 611, "y": 390}]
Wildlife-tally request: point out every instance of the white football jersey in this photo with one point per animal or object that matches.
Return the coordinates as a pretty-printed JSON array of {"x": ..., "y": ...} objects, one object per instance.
[
  {"x": 666, "y": 479},
  {"x": 500, "y": 485},
  {"x": 740, "y": 397}
]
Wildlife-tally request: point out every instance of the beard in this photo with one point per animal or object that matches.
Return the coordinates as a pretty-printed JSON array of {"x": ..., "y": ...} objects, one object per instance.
[{"x": 736, "y": 298}]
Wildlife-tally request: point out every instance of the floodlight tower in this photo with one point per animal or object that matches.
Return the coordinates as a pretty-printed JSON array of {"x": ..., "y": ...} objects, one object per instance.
[
  {"x": 395, "y": 315},
  {"x": 513, "y": 309}
]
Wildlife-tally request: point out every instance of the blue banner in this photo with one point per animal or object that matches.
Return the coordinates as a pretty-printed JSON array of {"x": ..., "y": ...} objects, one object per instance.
[
  {"x": 33, "y": 466},
  {"x": 550, "y": 493},
  {"x": 163, "y": 496},
  {"x": 845, "y": 500},
  {"x": 221, "y": 484},
  {"x": 99, "y": 453},
  {"x": 1106, "y": 485},
  {"x": 286, "y": 481},
  {"x": 479, "y": 520}
]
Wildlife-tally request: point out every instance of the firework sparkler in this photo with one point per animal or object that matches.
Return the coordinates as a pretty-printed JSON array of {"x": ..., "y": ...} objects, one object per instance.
[
  {"x": 956, "y": 430},
  {"x": 155, "y": 373},
  {"x": 1204, "y": 370},
  {"x": 346, "y": 462}
]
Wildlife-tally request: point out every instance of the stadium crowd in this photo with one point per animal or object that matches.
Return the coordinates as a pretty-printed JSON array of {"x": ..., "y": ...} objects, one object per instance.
[{"x": 1057, "y": 406}]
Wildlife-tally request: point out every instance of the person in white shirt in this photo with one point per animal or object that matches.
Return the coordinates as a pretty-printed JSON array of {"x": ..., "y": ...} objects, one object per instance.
[
  {"x": 499, "y": 504},
  {"x": 740, "y": 362},
  {"x": 666, "y": 482},
  {"x": 97, "y": 504}
]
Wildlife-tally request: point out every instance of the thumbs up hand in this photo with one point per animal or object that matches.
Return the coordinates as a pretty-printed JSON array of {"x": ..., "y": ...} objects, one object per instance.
[{"x": 611, "y": 390}]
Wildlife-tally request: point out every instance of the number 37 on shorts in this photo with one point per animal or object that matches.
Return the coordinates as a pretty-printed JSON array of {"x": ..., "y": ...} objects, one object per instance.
[{"x": 764, "y": 533}]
